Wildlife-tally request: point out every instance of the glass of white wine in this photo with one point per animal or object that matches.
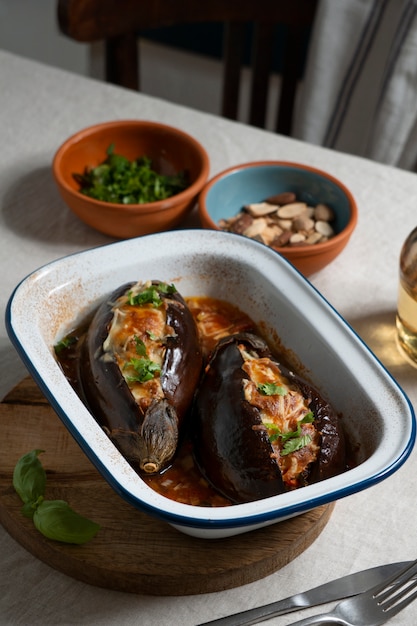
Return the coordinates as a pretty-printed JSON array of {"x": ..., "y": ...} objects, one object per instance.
[{"x": 407, "y": 299}]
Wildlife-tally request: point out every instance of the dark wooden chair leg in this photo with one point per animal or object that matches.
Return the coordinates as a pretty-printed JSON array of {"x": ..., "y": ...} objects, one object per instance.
[
  {"x": 289, "y": 81},
  {"x": 234, "y": 38},
  {"x": 262, "y": 49},
  {"x": 122, "y": 63}
]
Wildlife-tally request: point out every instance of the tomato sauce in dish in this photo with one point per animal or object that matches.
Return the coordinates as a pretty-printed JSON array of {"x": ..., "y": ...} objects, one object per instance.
[{"x": 216, "y": 319}]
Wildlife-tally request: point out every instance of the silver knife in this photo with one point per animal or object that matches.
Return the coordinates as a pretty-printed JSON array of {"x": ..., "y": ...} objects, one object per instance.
[{"x": 344, "y": 587}]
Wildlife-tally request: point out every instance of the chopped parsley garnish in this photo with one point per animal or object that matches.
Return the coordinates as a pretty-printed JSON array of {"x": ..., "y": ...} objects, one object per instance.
[
  {"x": 292, "y": 440},
  {"x": 140, "y": 346},
  {"x": 151, "y": 295},
  {"x": 144, "y": 368},
  {"x": 272, "y": 389},
  {"x": 294, "y": 444},
  {"x": 65, "y": 343},
  {"x": 308, "y": 418},
  {"x": 121, "y": 181},
  {"x": 167, "y": 289}
]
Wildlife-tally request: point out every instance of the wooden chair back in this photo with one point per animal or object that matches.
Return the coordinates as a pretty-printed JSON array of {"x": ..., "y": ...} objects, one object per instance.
[{"x": 119, "y": 23}]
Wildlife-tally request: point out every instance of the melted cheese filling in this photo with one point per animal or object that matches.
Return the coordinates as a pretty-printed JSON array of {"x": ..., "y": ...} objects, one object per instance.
[
  {"x": 282, "y": 414},
  {"x": 138, "y": 333}
]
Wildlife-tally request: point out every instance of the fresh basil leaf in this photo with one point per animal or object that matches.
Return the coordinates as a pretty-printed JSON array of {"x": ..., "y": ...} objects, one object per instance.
[
  {"x": 56, "y": 520},
  {"x": 29, "y": 477},
  {"x": 29, "y": 508}
]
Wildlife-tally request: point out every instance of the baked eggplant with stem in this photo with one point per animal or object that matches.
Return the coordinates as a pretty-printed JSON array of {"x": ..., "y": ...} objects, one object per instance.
[
  {"x": 259, "y": 429},
  {"x": 140, "y": 365}
]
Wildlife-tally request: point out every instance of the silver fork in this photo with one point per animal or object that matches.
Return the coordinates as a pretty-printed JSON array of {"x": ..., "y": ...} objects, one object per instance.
[{"x": 373, "y": 607}]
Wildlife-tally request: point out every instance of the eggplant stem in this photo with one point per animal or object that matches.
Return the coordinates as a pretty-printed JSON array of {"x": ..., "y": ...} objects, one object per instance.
[{"x": 150, "y": 468}]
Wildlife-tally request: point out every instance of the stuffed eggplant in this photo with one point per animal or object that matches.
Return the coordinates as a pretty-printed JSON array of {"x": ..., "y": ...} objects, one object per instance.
[
  {"x": 260, "y": 430},
  {"x": 140, "y": 365}
]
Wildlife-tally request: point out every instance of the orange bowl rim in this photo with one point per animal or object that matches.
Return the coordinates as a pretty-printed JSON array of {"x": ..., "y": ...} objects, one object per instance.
[{"x": 146, "y": 207}]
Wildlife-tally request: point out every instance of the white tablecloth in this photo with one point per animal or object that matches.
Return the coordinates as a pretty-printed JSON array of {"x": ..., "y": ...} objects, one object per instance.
[{"x": 42, "y": 106}]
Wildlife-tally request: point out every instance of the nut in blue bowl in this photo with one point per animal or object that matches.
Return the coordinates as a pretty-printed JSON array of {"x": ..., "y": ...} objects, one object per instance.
[{"x": 251, "y": 184}]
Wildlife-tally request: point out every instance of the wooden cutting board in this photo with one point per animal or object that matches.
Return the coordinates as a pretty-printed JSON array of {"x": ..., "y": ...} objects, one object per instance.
[{"x": 132, "y": 551}]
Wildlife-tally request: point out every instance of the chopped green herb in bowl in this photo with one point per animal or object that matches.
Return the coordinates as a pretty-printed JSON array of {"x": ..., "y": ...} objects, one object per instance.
[
  {"x": 128, "y": 178},
  {"x": 119, "y": 180}
]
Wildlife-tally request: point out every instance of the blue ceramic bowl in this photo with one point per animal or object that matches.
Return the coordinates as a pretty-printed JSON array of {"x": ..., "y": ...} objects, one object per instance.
[{"x": 226, "y": 194}]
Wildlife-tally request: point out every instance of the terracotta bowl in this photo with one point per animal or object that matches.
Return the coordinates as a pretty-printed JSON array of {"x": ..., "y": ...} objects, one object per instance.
[
  {"x": 171, "y": 151},
  {"x": 226, "y": 194}
]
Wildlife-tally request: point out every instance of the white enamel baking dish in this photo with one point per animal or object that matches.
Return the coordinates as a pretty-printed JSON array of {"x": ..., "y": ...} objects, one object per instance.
[{"x": 376, "y": 413}]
